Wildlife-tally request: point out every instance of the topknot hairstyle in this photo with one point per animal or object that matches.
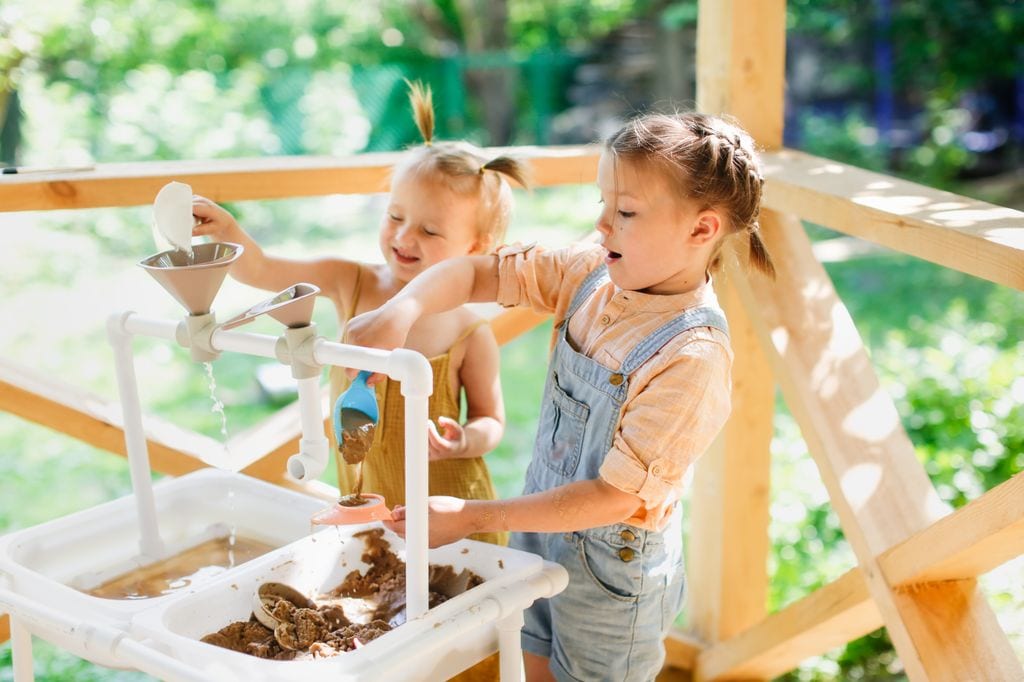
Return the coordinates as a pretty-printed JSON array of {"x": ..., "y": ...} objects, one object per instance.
[
  {"x": 463, "y": 168},
  {"x": 713, "y": 162}
]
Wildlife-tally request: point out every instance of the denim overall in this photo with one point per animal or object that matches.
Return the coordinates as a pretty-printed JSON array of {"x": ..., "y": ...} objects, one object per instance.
[{"x": 625, "y": 583}]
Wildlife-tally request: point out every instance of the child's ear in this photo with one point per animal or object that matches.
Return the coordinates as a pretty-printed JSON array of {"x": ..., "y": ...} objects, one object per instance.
[{"x": 706, "y": 227}]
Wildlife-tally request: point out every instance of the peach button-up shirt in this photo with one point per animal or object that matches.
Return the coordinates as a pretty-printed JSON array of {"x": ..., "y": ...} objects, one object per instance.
[{"x": 676, "y": 402}]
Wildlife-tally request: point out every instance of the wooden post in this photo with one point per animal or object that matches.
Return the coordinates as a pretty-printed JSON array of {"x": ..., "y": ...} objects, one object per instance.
[
  {"x": 740, "y": 71},
  {"x": 881, "y": 493}
]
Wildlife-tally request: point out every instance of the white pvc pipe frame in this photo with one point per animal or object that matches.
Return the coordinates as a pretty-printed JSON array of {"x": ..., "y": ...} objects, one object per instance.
[
  {"x": 406, "y": 366},
  {"x": 504, "y": 607}
]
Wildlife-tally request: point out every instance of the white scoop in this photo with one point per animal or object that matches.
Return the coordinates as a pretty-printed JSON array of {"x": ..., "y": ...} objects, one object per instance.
[{"x": 172, "y": 214}]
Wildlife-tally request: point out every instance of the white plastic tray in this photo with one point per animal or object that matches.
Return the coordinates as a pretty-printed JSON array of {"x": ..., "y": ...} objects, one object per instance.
[
  {"x": 53, "y": 562},
  {"x": 448, "y": 639}
]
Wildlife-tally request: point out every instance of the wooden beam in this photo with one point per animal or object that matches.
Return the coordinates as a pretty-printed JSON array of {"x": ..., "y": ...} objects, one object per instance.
[
  {"x": 729, "y": 544},
  {"x": 514, "y": 322},
  {"x": 970, "y": 236},
  {"x": 741, "y": 64},
  {"x": 829, "y": 617},
  {"x": 969, "y": 542},
  {"x": 740, "y": 71},
  {"x": 98, "y": 422},
  {"x": 682, "y": 649},
  {"x": 278, "y": 177},
  {"x": 876, "y": 484},
  {"x": 967, "y": 235}
]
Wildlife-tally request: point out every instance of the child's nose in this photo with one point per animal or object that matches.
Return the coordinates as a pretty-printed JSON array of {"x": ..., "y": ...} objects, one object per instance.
[{"x": 404, "y": 234}]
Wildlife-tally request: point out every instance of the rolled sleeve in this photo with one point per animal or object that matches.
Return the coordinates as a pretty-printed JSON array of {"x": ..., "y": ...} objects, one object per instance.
[
  {"x": 668, "y": 423},
  {"x": 544, "y": 280},
  {"x": 628, "y": 474}
]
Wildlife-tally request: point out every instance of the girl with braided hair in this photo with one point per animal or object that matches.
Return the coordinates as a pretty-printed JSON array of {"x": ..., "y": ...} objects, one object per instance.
[
  {"x": 446, "y": 199},
  {"x": 638, "y": 387}
]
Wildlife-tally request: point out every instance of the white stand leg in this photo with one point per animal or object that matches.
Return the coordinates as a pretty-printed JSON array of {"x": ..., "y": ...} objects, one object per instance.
[
  {"x": 510, "y": 647},
  {"x": 21, "y": 651}
]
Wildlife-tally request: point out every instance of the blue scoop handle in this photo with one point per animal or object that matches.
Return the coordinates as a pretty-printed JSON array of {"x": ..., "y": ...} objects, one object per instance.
[{"x": 359, "y": 397}]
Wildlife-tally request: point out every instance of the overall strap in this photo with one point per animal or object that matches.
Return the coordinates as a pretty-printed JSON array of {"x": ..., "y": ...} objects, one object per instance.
[
  {"x": 652, "y": 343},
  {"x": 596, "y": 278},
  {"x": 466, "y": 332},
  {"x": 349, "y": 314}
]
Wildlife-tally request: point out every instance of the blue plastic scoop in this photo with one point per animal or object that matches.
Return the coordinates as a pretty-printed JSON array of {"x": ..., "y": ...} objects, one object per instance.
[{"x": 355, "y": 419}]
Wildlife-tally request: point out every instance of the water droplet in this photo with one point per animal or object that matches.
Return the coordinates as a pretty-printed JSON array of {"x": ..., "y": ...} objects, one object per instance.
[{"x": 218, "y": 406}]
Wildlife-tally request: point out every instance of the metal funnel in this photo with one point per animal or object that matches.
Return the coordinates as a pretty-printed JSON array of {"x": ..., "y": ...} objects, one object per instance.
[
  {"x": 292, "y": 307},
  {"x": 193, "y": 282}
]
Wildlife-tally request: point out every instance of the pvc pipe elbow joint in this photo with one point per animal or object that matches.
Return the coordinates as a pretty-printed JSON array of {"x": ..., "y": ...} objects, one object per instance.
[
  {"x": 310, "y": 461},
  {"x": 413, "y": 370},
  {"x": 115, "y": 325}
]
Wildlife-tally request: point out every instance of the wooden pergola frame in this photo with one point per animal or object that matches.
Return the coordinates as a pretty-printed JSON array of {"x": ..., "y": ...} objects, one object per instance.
[{"x": 917, "y": 563}]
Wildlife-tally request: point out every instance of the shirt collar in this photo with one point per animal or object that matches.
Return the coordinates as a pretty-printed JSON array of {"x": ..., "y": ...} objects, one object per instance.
[{"x": 704, "y": 295}]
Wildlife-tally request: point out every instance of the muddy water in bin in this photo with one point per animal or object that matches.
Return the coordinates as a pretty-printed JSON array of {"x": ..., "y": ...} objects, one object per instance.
[{"x": 181, "y": 570}]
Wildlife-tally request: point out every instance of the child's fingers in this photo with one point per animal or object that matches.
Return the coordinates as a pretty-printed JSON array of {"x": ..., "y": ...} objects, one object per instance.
[
  {"x": 433, "y": 435},
  {"x": 398, "y": 513},
  {"x": 395, "y": 526},
  {"x": 450, "y": 426},
  {"x": 372, "y": 380}
]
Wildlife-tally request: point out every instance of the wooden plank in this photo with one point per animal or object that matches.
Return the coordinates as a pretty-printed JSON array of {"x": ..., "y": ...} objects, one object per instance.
[
  {"x": 98, "y": 422},
  {"x": 740, "y": 71},
  {"x": 682, "y": 649},
  {"x": 964, "y": 234},
  {"x": 877, "y": 487},
  {"x": 514, "y": 322},
  {"x": 93, "y": 420},
  {"x": 973, "y": 540},
  {"x": 278, "y": 177},
  {"x": 741, "y": 59},
  {"x": 829, "y": 617}
]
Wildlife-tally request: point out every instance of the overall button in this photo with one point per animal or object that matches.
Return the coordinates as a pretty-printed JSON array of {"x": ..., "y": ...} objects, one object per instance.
[
  {"x": 615, "y": 379},
  {"x": 626, "y": 554},
  {"x": 605, "y": 319},
  {"x": 627, "y": 535}
]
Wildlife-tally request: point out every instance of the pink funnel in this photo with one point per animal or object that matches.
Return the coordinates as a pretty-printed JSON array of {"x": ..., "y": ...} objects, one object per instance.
[{"x": 195, "y": 283}]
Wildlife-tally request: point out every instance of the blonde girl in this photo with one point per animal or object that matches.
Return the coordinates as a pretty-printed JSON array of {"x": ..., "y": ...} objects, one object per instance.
[
  {"x": 638, "y": 387},
  {"x": 446, "y": 200}
]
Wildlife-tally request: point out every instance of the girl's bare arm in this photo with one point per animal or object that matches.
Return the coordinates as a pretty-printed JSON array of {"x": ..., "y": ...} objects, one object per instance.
[
  {"x": 485, "y": 409},
  {"x": 574, "y": 506},
  {"x": 259, "y": 269},
  {"x": 442, "y": 287}
]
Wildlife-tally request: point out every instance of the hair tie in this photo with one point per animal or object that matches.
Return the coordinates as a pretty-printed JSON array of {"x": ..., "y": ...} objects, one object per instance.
[{"x": 482, "y": 169}]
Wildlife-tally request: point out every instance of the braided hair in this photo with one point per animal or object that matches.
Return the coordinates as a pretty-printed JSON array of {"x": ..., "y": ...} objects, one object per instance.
[{"x": 713, "y": 161}]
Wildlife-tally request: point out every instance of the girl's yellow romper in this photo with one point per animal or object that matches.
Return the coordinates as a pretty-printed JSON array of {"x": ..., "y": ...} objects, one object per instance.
[{"x": 384, "y": 466}]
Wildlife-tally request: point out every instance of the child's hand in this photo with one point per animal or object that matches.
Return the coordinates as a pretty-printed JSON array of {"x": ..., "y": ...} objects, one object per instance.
[
  {"x": 214, "y": 221},
  {"x": 386, "y": 327},
  {"x": 444, "y": 520},
  {"x": 452, "y": 443}
]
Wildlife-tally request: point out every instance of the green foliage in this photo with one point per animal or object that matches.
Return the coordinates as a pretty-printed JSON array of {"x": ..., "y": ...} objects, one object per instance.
[{"x": 145, "y": 80}]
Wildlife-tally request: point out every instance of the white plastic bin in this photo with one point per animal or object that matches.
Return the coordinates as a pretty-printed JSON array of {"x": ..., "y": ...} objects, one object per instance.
[
  {"x": 53, "y": 562},
  {"x": 447, "y": 640}
]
